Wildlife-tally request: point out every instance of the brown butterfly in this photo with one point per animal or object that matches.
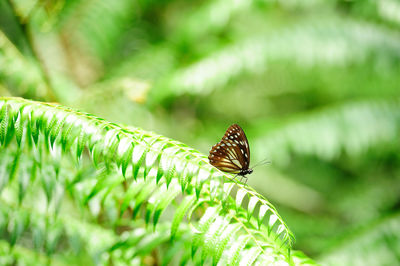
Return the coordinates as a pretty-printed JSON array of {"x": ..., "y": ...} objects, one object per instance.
[{"x": 232, "y": 153}]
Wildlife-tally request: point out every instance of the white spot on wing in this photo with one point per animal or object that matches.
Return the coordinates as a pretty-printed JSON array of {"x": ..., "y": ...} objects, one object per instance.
[{"x": 236, "y": 162}]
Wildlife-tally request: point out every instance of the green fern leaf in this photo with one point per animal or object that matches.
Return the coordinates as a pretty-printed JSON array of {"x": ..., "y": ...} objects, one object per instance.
[
  {"x": 130, "y": 195},
  {"x": 55, "y": 129},
  {"x": 19, "y": 129},
  {"x": 143, "y": 195},
  {"x": 80, "y": 143},
  {"x": 137, "y": 159},
  {"x": 17, "y": 226},
  {"x": 236, "y": 249},
  {"x": 104, "y": 180},
  {"x": 111, "y": 144},
  {"x": 38, "y": 233},
  {"x": 225, "y": 239},
  {"x": 211, "y": 238},
  {"x": 250, "y": 256},
  {"x": 24, "y": 179},
  {"x": 50, "y": 122},
  {"x": 172, "y": 193},
  {"x": 125, "y": 150},
  {"x": 53, "y": 237},
  {"x": 251, "y": 206},
  {"x": 97, "y": 154},
  {"x": 66, "y": 134},
  {"x": 204, "y": 224},
  {"x": 4, "y": 123},
  {"x": 180, "y": 213}
]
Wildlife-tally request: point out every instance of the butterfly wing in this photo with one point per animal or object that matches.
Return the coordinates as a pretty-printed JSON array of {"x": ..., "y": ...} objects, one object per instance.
[{"x": 232, "y": 153}]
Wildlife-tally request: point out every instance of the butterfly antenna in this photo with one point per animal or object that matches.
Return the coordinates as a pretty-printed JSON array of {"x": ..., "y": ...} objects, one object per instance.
[{"x": 265, "y": 161}]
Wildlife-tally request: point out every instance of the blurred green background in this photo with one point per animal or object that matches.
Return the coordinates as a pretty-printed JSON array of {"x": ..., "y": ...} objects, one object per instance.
[{"x": 314, "y": 84}]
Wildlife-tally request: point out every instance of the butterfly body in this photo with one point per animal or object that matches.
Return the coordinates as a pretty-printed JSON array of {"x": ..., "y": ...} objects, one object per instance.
[{"x": 232, "y": 153}]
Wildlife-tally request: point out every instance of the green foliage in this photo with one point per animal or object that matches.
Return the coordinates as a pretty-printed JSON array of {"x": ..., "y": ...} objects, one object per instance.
[
  {"x": 134, "y": 175},
  {"x": 314, "y": 84},
  {"x": 339, "y": 128},
  {"x": 21, "y": 72},
  {"x": 363, "y": 245}
]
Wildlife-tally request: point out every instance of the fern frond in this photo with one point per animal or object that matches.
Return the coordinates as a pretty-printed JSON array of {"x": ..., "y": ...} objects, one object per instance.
[
  {"x": 328, "y": 42},
  {"x": 20, "y": 74},
  {"x": 78, "y": 20},
  {"x": 328, "y": 132},
  {"x": 381, "y": 237},
  {"x": 166, "y": 167},
  {"x": 203, "y": 20}
]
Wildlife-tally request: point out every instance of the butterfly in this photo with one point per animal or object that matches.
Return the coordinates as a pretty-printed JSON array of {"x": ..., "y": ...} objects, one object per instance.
[{"x": 232, "y": 153}]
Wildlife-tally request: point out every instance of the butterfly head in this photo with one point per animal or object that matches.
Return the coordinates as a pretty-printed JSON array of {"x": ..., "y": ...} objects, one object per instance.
[{"x": 246, "y": 172}]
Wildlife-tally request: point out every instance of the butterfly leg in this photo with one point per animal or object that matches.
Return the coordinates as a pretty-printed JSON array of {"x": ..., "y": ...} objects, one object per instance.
[
  {"x": 234, "y": 177},
  {"x": 245, "y": 178}
]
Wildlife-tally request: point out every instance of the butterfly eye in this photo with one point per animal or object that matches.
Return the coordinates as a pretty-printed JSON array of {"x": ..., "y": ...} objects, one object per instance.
[{"x": 232, "y": 153}]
